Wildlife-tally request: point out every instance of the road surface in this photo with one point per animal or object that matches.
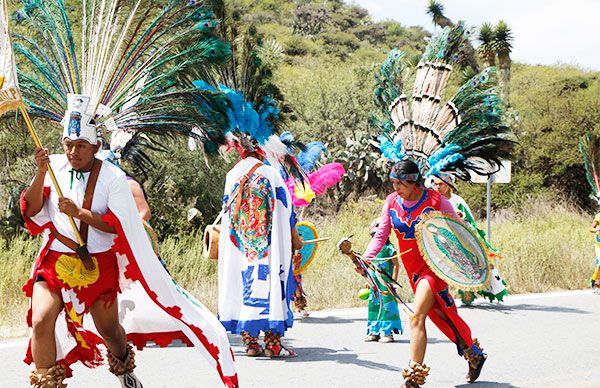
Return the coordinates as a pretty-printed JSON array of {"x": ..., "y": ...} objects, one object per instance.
[{"x": 537, "y": 340}]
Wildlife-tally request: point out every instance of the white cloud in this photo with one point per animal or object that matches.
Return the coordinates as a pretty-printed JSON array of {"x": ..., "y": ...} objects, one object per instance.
[{"x": 545, "y": 31}]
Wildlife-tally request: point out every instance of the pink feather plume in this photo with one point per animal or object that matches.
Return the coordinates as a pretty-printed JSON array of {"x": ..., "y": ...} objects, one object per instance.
[{"x": 322, "y": 179}]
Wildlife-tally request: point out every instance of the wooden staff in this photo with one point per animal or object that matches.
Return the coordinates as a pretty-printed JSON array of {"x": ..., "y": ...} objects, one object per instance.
[
  {"x": 316, "y": 240},
  {"x": 345, "y": 247},
  {"x": 82, "y": 251}
]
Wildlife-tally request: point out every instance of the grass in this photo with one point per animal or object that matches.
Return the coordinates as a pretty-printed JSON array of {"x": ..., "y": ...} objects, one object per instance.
[
  {"x": 546, "y": 247},
  {"x": 16, "y": 259}
]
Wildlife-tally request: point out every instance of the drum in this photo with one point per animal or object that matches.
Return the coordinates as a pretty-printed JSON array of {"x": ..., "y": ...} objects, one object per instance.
[{"x": 211, "y": 241}]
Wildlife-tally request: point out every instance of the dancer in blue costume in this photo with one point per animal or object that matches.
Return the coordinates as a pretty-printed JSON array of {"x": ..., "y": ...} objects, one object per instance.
[{"x": 384, "y": 317}]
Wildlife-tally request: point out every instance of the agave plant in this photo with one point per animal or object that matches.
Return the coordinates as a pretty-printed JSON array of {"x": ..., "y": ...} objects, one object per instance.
[{"x": 436, "y": 10}]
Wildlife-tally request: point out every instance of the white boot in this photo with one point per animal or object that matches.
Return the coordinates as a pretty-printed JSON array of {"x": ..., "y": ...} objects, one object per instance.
[
  {"x": 129, "y": 380},
  {"x": 124, "y": 369}
]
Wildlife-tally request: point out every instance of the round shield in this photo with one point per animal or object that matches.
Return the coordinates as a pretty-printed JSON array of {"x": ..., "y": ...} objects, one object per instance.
[
  {"x": 453, "y": 251},
  {"x": 307, "y": 253}
]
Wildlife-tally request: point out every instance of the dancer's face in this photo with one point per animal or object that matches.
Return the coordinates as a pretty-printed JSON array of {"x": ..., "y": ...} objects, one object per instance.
[
  {"x": 80, "y": 153},
  {"x": 405, "y": 189},
  {"x": 441, "y": 186}
]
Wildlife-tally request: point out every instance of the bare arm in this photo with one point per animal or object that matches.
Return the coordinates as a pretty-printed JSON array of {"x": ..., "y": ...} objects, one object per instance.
[
  {"x": 35, "y": 192},
  {"x": 140, "y": 200},
  {"x": 68, "y": 207},
  {"x": 297, "y": 242}
]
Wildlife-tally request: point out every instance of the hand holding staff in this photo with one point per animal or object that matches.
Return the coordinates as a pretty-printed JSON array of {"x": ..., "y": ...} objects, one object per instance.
[{"x": 361, "y": 265}]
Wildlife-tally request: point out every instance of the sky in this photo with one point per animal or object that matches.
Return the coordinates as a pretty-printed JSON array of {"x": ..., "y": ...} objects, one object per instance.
[{"x": 545, "y": 32}]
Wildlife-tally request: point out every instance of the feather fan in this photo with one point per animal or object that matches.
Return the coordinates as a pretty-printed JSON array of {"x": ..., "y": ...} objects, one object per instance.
[
  {"x": 125, "y": 57},
  {"x": 466, "y": 134}
]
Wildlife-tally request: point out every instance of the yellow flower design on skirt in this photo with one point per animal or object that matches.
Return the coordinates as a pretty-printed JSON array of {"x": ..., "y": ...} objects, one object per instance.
[{"x": 71, "y": 271}]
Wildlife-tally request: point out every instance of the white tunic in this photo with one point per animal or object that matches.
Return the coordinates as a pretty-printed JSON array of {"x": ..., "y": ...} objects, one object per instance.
[
  {"x": 456, "y": 200},
  {"x": 110, "y": 180}
]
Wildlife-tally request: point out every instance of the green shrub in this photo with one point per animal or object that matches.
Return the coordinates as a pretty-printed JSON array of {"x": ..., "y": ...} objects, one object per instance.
[
  {"x": 296, "y": 45},
  {"x": 339, "y": 44}
]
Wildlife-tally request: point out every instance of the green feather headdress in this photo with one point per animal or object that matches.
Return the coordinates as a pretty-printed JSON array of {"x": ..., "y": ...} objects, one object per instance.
[
  {"x": 128, "y": 56},
  {"x": 466, "y": 134},
  {"x": 589, "y": 146}
]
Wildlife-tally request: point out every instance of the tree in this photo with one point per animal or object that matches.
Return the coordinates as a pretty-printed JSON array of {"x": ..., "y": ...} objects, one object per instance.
[
  {"x": 436, "y": 10},
  {"x": 503, "y": 46},
  {"x": 310, "y": 20},
  {"x": 487, "y": 51}
]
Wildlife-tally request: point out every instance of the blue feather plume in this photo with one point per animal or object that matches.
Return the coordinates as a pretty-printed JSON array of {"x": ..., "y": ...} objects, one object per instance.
[
  {"x": 391, "y": 150},
  {"x": 443, "y": 158},
  {"x": 308, "y": 157}
]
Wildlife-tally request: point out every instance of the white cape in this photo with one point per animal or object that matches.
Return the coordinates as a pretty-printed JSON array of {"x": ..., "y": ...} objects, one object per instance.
[{"x": 255, "y": 255}]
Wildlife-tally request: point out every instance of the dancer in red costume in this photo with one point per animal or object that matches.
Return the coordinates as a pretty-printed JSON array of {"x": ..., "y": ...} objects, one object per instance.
[
  {"x": 129, "y": 296},
  {"x": 401, "y": 213}
]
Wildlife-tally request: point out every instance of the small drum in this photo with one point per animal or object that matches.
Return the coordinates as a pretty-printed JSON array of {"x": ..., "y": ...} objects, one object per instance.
[{"x": 211, "y": 241}]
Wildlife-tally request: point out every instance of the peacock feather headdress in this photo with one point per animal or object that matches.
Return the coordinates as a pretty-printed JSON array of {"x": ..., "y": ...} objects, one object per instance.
[
  {"x": 255, "y": 109},
  {"x": 589, "y": 146},
  {"x": 244, "y": 127},
  {"x": 126, "y": 57},
  {"x": 465, "y": 134}
]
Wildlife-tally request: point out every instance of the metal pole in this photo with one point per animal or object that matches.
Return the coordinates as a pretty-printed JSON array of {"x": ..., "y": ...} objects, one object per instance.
[{"x": 489, "y": 206}]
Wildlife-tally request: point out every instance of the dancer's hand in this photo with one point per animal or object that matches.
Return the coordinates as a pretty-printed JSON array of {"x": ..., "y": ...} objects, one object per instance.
[
  {"x": 297, "y": 240},
  {"x": 42, "y": 160},
  {"x": 68, "y": 207}
]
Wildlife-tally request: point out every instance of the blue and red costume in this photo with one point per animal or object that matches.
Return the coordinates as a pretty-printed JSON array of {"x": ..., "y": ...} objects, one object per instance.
[{"x": 403, "y": 216}]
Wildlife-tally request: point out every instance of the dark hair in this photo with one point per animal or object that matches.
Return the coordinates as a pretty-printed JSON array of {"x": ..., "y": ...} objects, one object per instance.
[{"x": 406, "y": 167}]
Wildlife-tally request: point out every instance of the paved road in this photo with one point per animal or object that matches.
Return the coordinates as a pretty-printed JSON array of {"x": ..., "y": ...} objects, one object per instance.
[{"x": 540, "y": 340}]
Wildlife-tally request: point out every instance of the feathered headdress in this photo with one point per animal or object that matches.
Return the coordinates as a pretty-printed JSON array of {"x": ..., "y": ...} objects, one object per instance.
[
  {"x": 246, "y": 128},
  {"x": 589, "y": 146},
  {"x": 253, "y": 113},
  {"x": 126, "y": 60},
  {"x": 464, "y": 134},
  {"x": 319, "y": 179}
]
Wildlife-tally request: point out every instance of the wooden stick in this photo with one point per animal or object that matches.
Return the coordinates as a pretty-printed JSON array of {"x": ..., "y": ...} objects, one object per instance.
[
  {"x": 345, "y": 247},
  {"x": 316, "y": 240},
  {"x": 397, "y": 255}
]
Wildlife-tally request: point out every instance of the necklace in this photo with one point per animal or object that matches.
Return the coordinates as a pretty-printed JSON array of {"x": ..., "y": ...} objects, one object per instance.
[{"x": 409, "y": 210}]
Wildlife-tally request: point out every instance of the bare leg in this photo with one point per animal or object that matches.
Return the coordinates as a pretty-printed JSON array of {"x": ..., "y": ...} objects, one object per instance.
[
  {"x": 423, "y": 303},
  {"x": 106, "y": 319},
  {"x": 45, "y": 307},
  {"x": 120, "y": 355}
]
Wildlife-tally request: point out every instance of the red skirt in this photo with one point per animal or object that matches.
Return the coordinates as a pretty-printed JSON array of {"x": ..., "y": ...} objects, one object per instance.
[
  {"x": 79, "y": 290},
  {"x": 66, "y": 271}
]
